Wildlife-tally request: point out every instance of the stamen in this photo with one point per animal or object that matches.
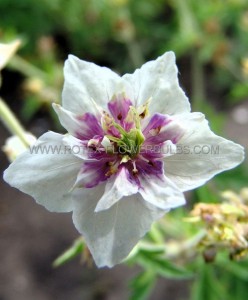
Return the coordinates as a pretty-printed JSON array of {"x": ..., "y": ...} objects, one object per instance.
[
  {"x": 93, "y": 143},
  {"x": 142, "y": 115},
  {"x": 134, "y": 171},
  {"x": 143, "y": 109},
  {"x": 150, "y": 163},
  {"x": 142, "y": 157},
  {"x": 113, "y": 167},
  {"x": 155, "y": 131},
  {"x": 107, "y": 121}
]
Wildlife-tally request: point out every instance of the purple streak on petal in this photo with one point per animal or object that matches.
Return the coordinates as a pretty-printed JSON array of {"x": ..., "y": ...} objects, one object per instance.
[
  {"x": 93, "y": 173},
  {"x": 131, "y": 177},
  {"x": 119, "y": 108},
  {"x": 160, "y": 129},
  {"x": 127, "y": 125},
  {"x": 171, "y": 134},
  {"x": 113, "y": 131},
  {"x": 100, "y": 154},
  {"x": 151, "y": 151},
  {"x": 90, "y": 127},
  {"x": 156, "y": 122},
  {"x": 152, "y": 169}
]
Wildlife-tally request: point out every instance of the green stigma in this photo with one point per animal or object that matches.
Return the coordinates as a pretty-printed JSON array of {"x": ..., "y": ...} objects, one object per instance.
[{"x": 130, "y": 142}]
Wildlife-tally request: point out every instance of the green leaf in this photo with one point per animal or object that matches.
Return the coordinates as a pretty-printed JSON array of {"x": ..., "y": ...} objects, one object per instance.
[
  {"x": 161, "y": 266},
  {"x": 239, "y": 290},
  {"x": 205, "y": 194},
  {"x": 142, "y": 285},
  {"x": 233, "y": 179},
  {"x": 30, "y": 107},
  {"x": 155, "y": 234},
  {"x": 237, "y": 268},
  {"x": 238, "y": 93},
  {"x": 76, "y": 249},
  {"x": 207, "y": 286}
]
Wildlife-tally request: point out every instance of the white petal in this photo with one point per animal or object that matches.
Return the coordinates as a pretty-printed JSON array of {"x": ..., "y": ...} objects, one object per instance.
[
  {"x": 158, "y": 80},
  {"x": 67, "y": 119},
  {"x": 85, "y": 81},
  {"x": 111, "y": 234},
  {"x": 92, "y": 173},
  {"x": 168, "y": 149},
  {"x": 46, "y": 176},
  {"x": 117, "y": 187},
  {"x": 106, "y": 143},
  {"x": 201, "y": 154},
  {"x": 76, "y": 147},
  {"x": 84, "y": 126},
  {"x": 161, "y": 193}
]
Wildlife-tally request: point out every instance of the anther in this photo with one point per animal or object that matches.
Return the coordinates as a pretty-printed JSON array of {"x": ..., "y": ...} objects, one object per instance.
[
  {"x": 134, "y": 171},
  {"x": 150, "y": 163}
]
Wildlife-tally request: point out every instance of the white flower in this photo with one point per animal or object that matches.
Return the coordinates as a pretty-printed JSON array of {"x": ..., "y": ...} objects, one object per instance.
[{"x": 140, "y": 148}]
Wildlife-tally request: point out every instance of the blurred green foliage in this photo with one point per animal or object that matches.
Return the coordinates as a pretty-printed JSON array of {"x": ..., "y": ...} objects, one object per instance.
[{"x": 210, "y": 38}]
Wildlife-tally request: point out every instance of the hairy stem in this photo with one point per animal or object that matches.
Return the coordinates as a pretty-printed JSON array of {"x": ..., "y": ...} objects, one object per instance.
[{"x": 12, "y": 123}]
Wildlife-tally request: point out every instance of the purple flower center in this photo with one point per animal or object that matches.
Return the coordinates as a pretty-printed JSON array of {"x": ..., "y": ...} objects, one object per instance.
[{"x": 124, "y": 137}]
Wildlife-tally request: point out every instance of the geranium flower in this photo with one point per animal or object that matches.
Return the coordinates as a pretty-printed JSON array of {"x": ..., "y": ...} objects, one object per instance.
[{"x": 140, "y": 149}]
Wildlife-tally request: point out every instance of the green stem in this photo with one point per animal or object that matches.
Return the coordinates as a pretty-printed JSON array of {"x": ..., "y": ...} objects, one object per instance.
[
  {"x": 186, "y": 17},
  {"x": 198, "y": 86},
  {"x": 11, "y": 122},
  {"x": 26, "y": 68}
]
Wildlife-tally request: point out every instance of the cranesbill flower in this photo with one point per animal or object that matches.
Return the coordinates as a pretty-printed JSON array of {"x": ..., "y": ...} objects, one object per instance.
[{"x": 133, "y": 147}]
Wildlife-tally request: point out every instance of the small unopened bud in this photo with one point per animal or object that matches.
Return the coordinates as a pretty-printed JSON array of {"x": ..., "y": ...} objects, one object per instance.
[
  {"x": 33, "y": 85},
  {"x": 209, "y": 254},
  {"x": 14, "y": 146}
]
